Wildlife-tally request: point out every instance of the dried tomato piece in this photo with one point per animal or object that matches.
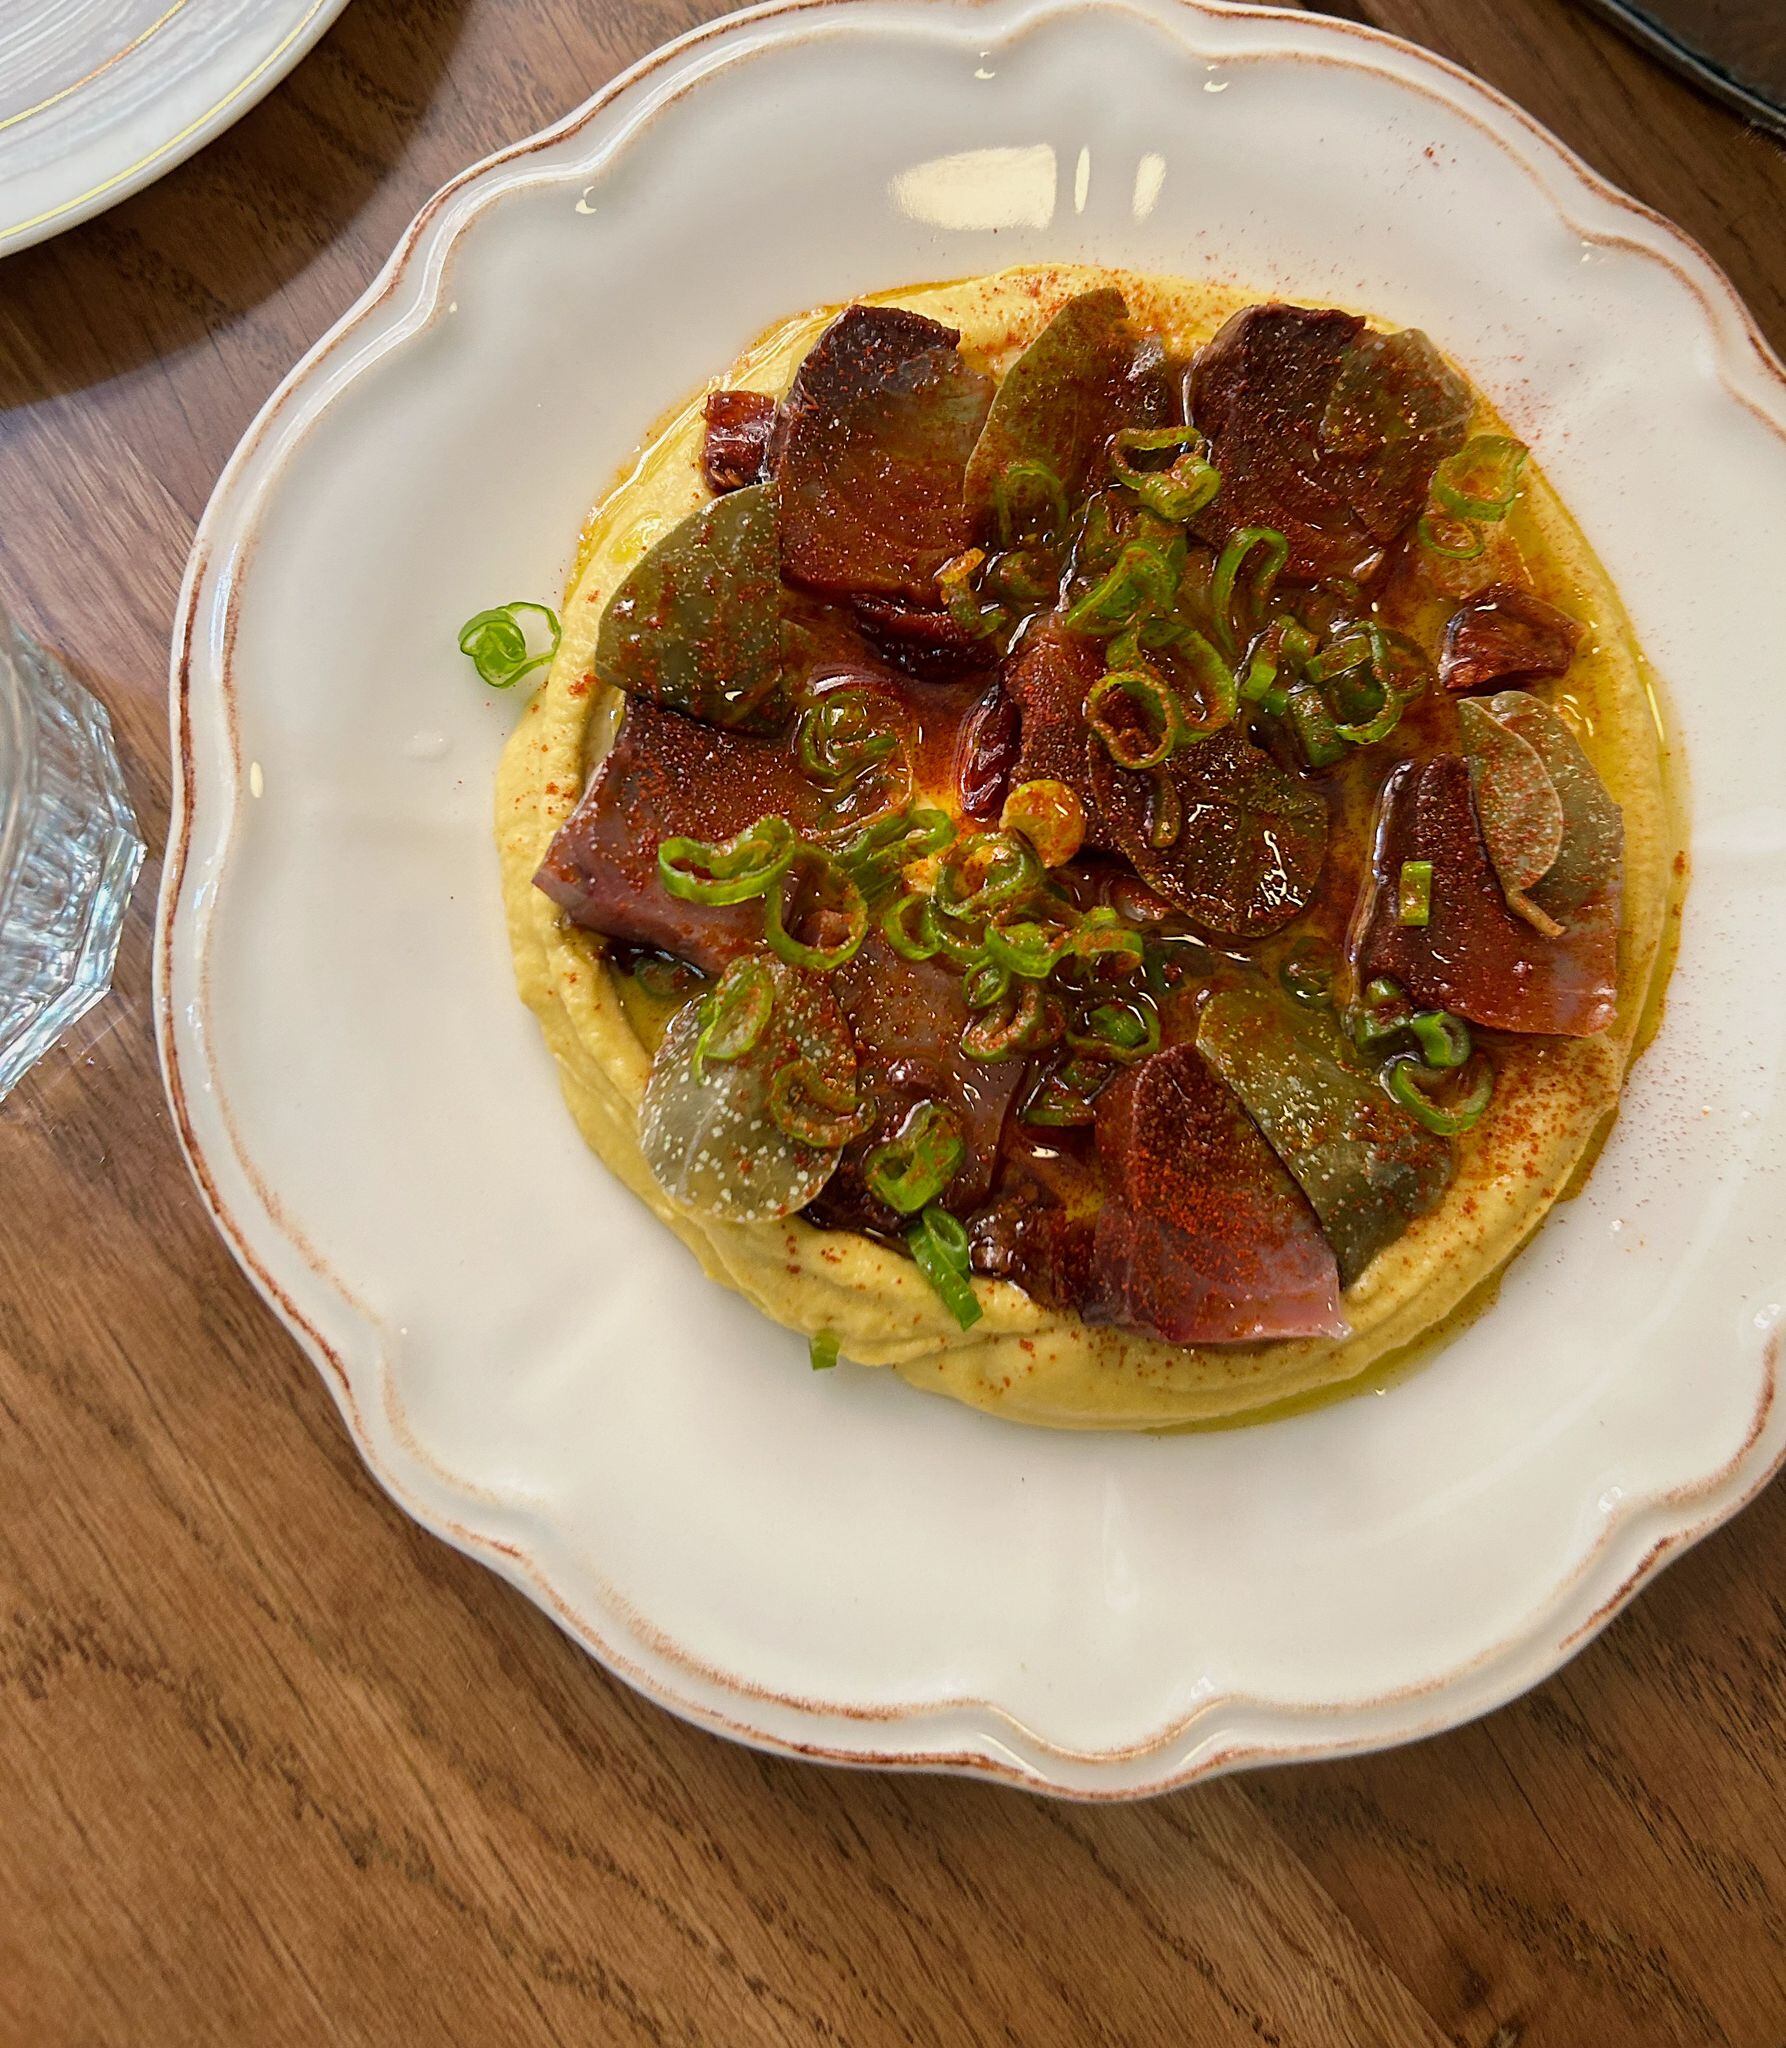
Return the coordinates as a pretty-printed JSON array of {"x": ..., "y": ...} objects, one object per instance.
[
  {"x": 735, "y": 448},
  {"x": 1506, "y": 633}
]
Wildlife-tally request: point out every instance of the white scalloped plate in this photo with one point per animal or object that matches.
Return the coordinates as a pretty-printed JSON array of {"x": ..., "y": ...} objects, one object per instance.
[
  {"x": 830, "y": 1563},
  {"x": 99, "y": 97}
]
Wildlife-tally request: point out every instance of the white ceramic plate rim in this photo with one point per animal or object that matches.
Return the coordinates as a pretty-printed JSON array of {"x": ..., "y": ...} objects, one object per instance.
[
  {"x": 975, "y": 1736},
  {"x": 99, "y": 178}
]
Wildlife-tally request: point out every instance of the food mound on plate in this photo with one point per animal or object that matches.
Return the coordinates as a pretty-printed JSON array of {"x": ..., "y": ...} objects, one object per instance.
[{"x": 1097, "y": 843}]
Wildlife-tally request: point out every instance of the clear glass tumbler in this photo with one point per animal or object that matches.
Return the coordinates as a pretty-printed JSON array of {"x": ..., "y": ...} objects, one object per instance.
[{"x": 69, "y": 852}]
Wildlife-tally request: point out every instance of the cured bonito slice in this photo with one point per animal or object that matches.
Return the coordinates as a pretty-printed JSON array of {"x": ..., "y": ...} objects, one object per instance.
[
  {"x": 870, "y": 454},
  {"x": 665, "y": 777},
  {"x": 1323, "y": 431},
  {"x": 1203, "y": 1237},
  {"x": 1473, "y": 956},
  {"x": 1367, "y": 1168}
]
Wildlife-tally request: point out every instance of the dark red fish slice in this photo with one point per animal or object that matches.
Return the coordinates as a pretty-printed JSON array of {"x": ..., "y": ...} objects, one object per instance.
[
  {"x": 667, "y": 776},
  {"x": 870, "y": 453},
  {"x": 1506, "y": 633},
  {"x": 1473, "y": 956},
  {"x": 1326, "y": 432},
  {"x": 1251, "y": 836},
  {"x": 1203, "y": 1237},
  {"x": 1259, "y": 390}
]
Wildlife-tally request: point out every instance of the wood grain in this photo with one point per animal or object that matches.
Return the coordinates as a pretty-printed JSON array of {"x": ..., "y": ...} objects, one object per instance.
[{"x": 276, "y": 1767}]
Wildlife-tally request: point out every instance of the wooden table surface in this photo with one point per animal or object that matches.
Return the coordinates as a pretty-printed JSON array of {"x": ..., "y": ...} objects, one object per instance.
[{"x": 277, "y": 1767}]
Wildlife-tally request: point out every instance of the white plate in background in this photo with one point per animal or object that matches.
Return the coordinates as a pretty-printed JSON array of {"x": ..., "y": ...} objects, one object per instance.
[{"x": 99, "y": 97}]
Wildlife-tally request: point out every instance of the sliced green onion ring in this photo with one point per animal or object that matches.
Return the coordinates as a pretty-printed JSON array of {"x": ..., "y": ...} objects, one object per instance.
[
  {"x": 902, "y": 926},
  {"x": 1228, "y": 566},
  {"x": 1313, "y": 725},
  {"x": 1172, "y": 962},
  {"x": 1063, "y": 1097},
  {"x": 812, "y": 1106},
  {"x": 928, "y": 831},
  {"x": 1374, "y": 676},
  {"x": 853, "y": 907},
  {"x": 879, "y": 851},
  {"x": 1123, "y": 1031},
  {"x": 1027, "y": 948},
  {"x": 1159, "y": 709},
  {"x": 497, "y": 644},
  {"x": 1378, "y": 726},
  {"x": 1019, "y": 1022},
  {"x": 1103, "y": 935},
  {"x": 1402, "y": 1079},
  {"x": 1481, "y": 480},
  {"x": 1152, "y": 441},
  {"x": 1259, "y": 684},
  {"x": 1029, "y": 503},
  {"x": 735, "y": 1013},
  {"x": 962, "y": 945},
  {"x": 1184, "y": 487},
  {"x": 984, "y": 984},
  {"x": 1456, "y": 539},
  {"x": 1216, "y": 684},
  {"x": 727, "y": 870},
  {"x": 913, "y": 1168},
  {"x": 1344, "y": 655},
  {"x": 1142, "y": 578},
  {"x": 939, "y": 1245},
  {"x": 1444, "y": 1040},
  {"x": 1414, "y": 893},
  {"x": 837, "y": 737},
  {"x": 821, "y": 1349},
  {"x": 986, "y": 871},
  {"x": 1381, "y": 1016}
]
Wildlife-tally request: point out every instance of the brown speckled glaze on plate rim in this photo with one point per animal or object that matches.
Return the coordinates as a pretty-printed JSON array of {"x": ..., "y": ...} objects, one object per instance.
[{"x": 997, "y": 1745}]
